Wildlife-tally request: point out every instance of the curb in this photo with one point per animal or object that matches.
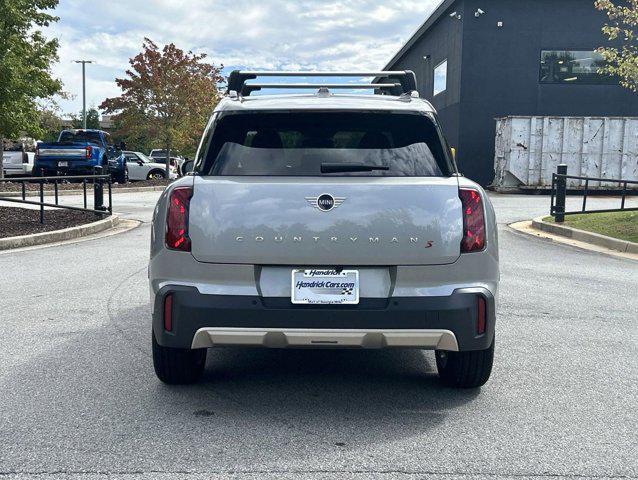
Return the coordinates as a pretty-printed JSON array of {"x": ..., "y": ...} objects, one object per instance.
[
  {"x": 604, "y": 241},
  {"x": 48, "y": 193},
  {"x": 59, "y": 235}
]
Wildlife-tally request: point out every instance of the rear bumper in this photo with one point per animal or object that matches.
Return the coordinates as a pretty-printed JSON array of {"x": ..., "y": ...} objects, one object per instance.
[
  {"x": 74, "y": 166},
  {"x": 445, "y": 322},
  {"x": 20, "y": 169}
]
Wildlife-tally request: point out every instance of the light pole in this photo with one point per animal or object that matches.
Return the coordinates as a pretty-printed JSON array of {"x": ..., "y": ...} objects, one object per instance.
[{"x": 84, "y": 62}]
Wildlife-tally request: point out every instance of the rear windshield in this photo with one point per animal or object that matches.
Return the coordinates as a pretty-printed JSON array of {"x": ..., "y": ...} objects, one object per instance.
[
  {"x": 326, "y": 144},
  {"x": 81, "y": 137},
  {"x": 13, "y": 147}
]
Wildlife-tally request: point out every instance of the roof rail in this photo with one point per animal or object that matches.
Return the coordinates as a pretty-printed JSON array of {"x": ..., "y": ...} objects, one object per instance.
[{"x": 394, "y": 82}]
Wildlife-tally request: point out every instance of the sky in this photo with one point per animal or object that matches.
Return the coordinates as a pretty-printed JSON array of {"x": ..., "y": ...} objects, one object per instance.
[{"x": 248, "y": 34}]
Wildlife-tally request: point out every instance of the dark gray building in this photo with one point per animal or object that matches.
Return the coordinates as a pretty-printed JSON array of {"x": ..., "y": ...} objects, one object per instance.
[{"x": 476, "y": 60}]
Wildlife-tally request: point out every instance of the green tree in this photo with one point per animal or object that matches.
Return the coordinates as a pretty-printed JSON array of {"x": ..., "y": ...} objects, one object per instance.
[
  {"x": 50, "y": 122},
  {"x": 92, "y": 119},
  {"x": 167, "y": 96},
  {"x": 25, "y": 61},
  {"x": 622, "y": 60}
]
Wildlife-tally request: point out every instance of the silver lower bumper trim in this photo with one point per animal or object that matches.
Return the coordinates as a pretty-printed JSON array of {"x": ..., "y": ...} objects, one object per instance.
[{"x": 345, "y": 338}]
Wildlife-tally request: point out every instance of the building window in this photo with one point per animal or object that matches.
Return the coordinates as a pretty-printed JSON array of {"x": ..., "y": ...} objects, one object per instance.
[
  {"x": 573, "y": 66},
  {"x": 440, "y": 77}
]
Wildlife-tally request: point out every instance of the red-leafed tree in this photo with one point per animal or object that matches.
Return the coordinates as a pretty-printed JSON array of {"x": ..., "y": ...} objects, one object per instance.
[{"x": 167, "y": 97}]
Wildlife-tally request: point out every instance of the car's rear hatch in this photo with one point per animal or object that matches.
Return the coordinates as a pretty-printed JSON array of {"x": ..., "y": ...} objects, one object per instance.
[
  {"x": 382, "y": 221},
  {"x": 326, "y": 188}
]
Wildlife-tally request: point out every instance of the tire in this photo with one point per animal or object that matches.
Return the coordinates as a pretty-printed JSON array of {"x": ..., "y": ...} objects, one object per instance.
[
  {"x": 465, "y": 369},
  {"x": 156, "y": 175},
  {"x": 121, "y": 177},
  {"x": 178, "y": 366}
]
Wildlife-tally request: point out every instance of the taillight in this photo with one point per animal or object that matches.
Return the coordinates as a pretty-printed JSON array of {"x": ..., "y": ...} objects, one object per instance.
[
  {"x": 168, "y": 312},
  {"x": 481, "y": 315},
  {"x": 88, "y": 151},
  {"x": 473, "y": 221},
  {"x": 177, "y": 219}
]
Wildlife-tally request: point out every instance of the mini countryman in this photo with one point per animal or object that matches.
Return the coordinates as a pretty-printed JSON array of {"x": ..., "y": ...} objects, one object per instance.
[{"x": 324, "y": 220}]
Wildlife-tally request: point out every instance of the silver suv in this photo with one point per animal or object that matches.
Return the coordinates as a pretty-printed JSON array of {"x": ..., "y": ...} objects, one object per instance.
[{"x": 326, "y": 221}]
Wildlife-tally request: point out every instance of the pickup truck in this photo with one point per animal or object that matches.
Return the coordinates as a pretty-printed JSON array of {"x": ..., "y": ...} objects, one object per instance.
[
  {"x": 78, "y": 152},
  {"x": 18, "y": 158}
]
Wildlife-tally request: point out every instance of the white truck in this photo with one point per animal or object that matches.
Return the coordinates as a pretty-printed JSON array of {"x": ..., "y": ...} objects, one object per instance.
[{"x": 18, "y": 158}]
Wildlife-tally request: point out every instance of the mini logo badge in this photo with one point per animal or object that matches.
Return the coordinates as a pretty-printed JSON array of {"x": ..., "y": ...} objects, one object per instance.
[{"x": 325, "y": 202}]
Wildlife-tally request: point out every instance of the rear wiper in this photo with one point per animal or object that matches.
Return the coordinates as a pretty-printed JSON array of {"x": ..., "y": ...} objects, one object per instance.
[{"x": 350, "y": 167}]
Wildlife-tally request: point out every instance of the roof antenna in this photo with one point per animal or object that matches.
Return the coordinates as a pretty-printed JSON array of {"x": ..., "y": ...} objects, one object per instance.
[{"x": 323, "y": 92}]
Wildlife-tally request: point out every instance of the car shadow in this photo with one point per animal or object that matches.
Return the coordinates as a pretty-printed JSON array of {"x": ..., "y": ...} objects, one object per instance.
[
  {"x": 379, "y": 394},
  {"x": 328, "y": 385},
  {"x": 90, "y": 384}
]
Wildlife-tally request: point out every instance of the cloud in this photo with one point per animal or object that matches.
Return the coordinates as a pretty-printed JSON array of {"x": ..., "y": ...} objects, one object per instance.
[{"x": 265, "y": 34}]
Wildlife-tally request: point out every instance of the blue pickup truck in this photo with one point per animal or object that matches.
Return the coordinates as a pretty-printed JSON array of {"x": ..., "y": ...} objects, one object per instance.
[{"x": 78, "y": 152}]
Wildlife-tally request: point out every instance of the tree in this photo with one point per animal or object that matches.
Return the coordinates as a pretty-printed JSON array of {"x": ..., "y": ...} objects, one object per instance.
[
  {"x": 168, "y": 96},
  {"x": 25, "y": 61},
  {"x": 621, "y": 61},
  {"x": 50, "y": 122},
  {"x": 92, "y": 119}
]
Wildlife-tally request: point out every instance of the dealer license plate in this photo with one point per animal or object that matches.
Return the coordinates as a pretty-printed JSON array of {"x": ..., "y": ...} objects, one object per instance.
[
  {"x": 325, "y": 286},
  {"x": 63, "y": 164}
]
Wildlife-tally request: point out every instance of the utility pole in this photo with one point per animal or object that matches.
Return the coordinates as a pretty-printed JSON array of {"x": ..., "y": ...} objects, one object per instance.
[{"x": 84, "y": 62}]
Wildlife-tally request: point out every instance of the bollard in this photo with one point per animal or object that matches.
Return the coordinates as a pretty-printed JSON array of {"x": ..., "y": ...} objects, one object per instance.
[
  {"x": 42, "y": 202},
  {"x": 561, "y": 192},
  {"x": 98, "y": 190}
]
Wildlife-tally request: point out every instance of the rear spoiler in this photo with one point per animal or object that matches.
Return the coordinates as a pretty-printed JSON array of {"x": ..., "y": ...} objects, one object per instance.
[{"x": 393, "y": 82}]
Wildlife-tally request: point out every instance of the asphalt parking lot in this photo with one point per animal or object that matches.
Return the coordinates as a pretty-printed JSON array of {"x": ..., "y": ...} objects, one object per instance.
[{"x": 79, "y": 399}]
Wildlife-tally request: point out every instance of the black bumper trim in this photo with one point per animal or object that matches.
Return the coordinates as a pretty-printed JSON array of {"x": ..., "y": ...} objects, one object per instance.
[{"x": 193, "y": 310}]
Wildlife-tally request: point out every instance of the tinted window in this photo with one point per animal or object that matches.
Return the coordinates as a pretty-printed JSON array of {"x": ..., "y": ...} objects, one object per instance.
[
  {"x": 13, "y": 147},
  {"x": 80, "y": 136},
  {"x": 573, "y": 66},
  {"x": 305, "y": 144}
]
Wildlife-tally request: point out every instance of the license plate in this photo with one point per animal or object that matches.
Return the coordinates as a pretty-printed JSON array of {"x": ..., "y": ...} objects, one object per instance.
[
  {"x": 325, "y": 287},
  {"x": 63, "y": 164}
]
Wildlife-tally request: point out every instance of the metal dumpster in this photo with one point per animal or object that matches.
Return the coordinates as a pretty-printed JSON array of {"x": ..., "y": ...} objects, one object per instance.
[{"x": 528, "y": 149}]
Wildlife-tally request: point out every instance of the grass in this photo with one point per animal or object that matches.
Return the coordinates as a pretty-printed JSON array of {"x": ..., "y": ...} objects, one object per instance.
[{"x": 622, "y": 225}]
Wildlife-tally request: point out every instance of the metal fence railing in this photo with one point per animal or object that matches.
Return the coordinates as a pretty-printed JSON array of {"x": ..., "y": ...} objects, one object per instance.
[
  {"x": 96, "y": 181},
  {"x": 559, "y": 194}
]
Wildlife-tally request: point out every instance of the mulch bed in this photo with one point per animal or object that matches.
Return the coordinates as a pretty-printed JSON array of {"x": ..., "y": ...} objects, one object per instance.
[
  {"x": 143, "y": 183},
  {"x": 17, "y": 187},
  {"x": 16, "y": 221}
]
